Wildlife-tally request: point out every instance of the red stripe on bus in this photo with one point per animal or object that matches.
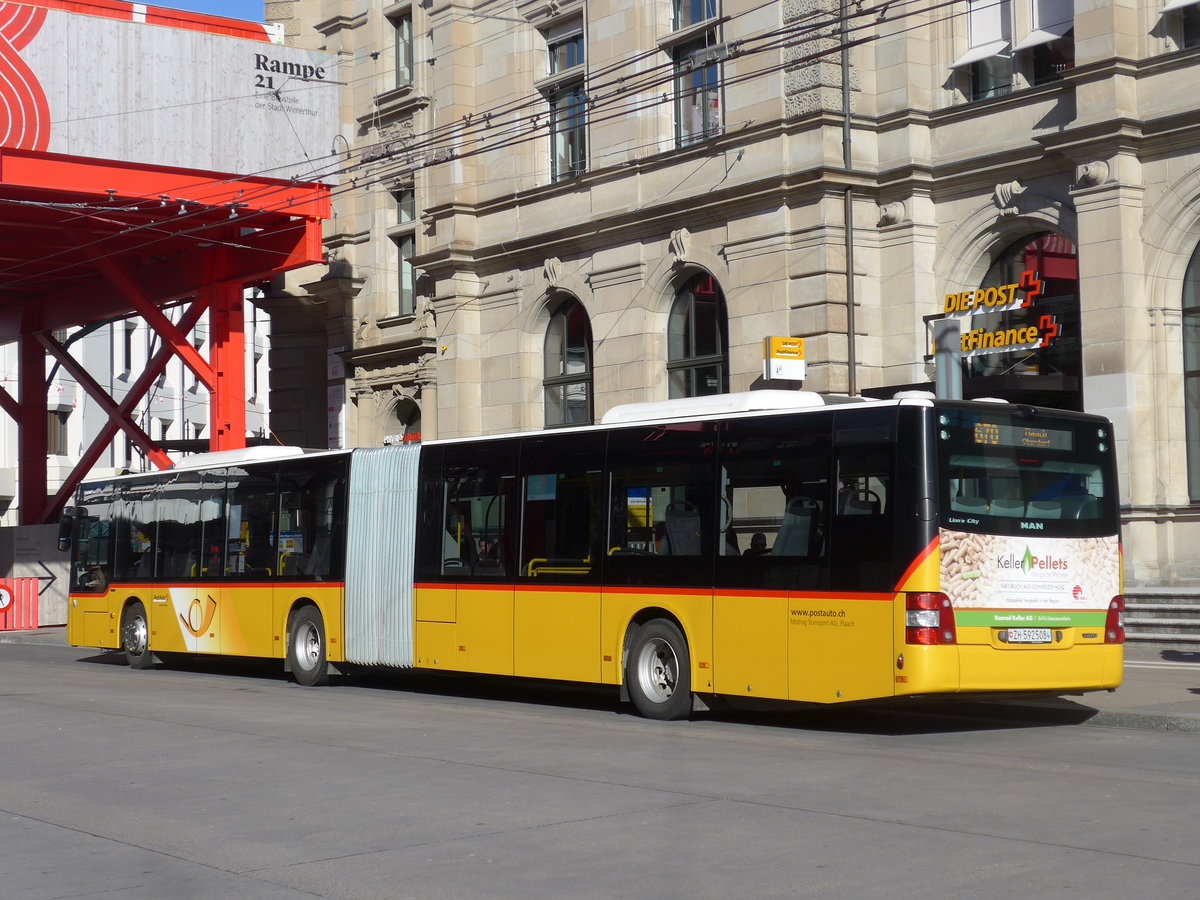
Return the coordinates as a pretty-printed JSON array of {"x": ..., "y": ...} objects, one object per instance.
[
  {"x": 918, "y": 562},
  {"x": 625, "y": 590}
]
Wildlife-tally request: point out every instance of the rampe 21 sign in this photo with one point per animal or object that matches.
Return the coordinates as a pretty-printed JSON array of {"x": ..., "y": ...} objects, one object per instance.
[{"x": 1030, "y": 335}]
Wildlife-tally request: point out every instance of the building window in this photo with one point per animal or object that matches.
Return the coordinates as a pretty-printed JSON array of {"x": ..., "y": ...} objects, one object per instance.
[
  {"x": 692, "y": 12},
  {"x": 697, "y": 340},
  {"x": 565, "y": 49},
  {"x": 565, "y": 95},
  {"x": 1191, "y": 372},
  {"x": 402, "y": 26},
  {"x": 697, "y": 91},
  {"x": 127, "y": 347},
  {"x": 56, "y": 433},
  {"x": 403, "y": 235},
  {"x": 986, "y": 61},
  {"x": 567, "y": 385},
  {"x": 568, "y": 131},
  {"x": 406, "y": 204},
  {"x": 1029, "y": 353},
  {"x": 406, "y": 286},
  {"x": 1190, "y": 32},
  {"x": 1049, "y": 48}
]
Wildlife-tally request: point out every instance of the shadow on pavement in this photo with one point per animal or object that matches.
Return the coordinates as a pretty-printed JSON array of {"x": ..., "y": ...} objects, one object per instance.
[
  {"x": 1184, "y": 656},
  {"x": 878, "y": 718}
]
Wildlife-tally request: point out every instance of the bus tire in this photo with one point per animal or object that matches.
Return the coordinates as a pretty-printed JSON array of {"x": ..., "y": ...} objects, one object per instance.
[
  {"x": 306, "y": 648},
  {"x": 135, "y": 636},
  {"x": 658, "y": 671}
]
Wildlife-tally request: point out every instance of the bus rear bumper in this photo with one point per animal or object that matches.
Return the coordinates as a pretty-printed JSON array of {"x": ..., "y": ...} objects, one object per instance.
[{"x": 1084, "y": 667}]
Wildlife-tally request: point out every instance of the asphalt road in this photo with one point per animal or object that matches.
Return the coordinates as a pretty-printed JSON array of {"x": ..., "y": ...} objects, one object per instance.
[{"x": 223, "y": 780}]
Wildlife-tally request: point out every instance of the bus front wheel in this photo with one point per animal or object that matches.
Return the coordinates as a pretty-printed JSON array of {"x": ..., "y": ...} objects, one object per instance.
[
  {"x": 306, "y": 648},
  {"x": 135, "y": 636},
  {"x": 658, "y": 671}
]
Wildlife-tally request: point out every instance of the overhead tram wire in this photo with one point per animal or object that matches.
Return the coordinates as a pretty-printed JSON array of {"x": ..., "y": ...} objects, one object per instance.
[
  {"x": 781, "y": 37},
  {"x": 537, "y": 133}
]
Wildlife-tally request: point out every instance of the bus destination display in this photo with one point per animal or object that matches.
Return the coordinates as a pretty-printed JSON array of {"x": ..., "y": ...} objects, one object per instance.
[{"x": 991, "y": 434}]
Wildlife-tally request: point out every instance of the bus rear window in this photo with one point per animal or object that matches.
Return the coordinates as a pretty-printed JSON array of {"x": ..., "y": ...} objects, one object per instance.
[{"x": 1005, "y": 472}]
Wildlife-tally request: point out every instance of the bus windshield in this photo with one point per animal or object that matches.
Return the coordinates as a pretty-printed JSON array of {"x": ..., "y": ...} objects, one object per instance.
[{"x": 1015, "y": 471}]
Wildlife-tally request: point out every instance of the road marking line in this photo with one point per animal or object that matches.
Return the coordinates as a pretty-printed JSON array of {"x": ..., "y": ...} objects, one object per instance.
[{"x": 1182, "y": 667}]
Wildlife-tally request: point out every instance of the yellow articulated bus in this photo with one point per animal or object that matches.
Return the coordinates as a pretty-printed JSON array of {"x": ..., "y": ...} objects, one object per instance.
[{"x": 772, "y": 545}]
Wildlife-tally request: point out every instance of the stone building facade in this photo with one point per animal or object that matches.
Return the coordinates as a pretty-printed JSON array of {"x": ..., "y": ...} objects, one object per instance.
[{"x": 551, "y": 207}]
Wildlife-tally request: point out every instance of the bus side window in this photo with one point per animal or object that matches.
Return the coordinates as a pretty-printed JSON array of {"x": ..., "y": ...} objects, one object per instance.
[
  {"x": 312, "y": 498},
  {"x": 91, "y": 566},
  {"x": 862, "y": 537},
  {"x": 135, "y": 532},
  {"x": 562, "y": 508},
  {"x": 177, "y": 509},
  {"x": 250, "y": 530},
  {"x": 775, "y": 484},
  {"x": 664, "y": 512},
  {"x": 480, "y": 500}
]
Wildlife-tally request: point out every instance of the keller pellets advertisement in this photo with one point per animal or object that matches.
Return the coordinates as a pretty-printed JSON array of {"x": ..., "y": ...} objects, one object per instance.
[
  {"x": 1001, "y": 581},
  {"x": 142, "y": 84}
]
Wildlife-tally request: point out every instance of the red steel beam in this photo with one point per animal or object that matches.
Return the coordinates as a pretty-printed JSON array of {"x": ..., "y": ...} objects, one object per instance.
[
  {"x": 119, "y": 412},
  {"x": 227, "y": 404},
  {"x": 172, "y": 336},
  {"x": 128, "y": 181}
]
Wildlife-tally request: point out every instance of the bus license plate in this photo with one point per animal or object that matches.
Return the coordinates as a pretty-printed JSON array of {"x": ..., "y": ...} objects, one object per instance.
[{"x": 1029, "y": 635}]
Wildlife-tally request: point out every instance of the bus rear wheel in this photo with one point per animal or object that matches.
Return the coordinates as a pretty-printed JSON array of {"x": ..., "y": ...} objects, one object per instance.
[
  {"x": 306, "y": 648},
  {"x": 658, "y": 671},
  {"x": 135, "y": 636}
]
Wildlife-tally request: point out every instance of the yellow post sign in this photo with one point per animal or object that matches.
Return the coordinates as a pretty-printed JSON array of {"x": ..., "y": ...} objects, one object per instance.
[{"x": 783, "y": 359}]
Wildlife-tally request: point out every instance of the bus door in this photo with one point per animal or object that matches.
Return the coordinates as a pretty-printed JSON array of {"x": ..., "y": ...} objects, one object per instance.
[
  {"x": 857, "y": 631},
  {"x": 775, "y": 499},
  {"x": 251, "y": 561},
  {"x": 556, "y": 617},
  {"x": 89, "y": 621},
  {"x": 479, "y": 558},
  {"x": 185, "y": 613},
  {"x": 307, "y": 550}
]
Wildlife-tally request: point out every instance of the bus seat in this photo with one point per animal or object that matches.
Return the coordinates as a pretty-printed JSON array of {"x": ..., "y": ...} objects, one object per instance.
[
  {"x": 969, "y": 504},
  {"x": 1008, "y": 506},
  {"x": 861, "y": 503},
  {"x": 796, "y": 529},
  {"x": 683, "y": 528},
  {"x": 182, "y": 563},
  {"x": 1080, "y": 506},
  {"x": 1045, "y": 509},
  {"x": 317, "y": 564}
]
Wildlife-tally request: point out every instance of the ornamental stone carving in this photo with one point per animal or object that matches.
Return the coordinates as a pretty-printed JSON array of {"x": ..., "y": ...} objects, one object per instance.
[
  {"x": 891, "y": 213},
  {"x": 552, "y": 271},
  {"x": 680, "y": 245},
  {"x": 1092, "y": 173},
  {"x": 1005, "y": 197}
]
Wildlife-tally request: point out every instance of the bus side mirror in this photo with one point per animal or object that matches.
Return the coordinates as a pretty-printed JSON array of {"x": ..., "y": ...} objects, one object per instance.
[{"x": 65, "y": 526}]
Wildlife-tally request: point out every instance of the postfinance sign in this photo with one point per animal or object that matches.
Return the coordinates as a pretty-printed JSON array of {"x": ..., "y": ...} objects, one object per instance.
[
  {"x": 995, "y": 298},
  {"x": 1028, "y": 335}
]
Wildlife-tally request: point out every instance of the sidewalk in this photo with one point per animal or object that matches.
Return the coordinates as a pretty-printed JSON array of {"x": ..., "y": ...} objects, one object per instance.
[{"x": 1161, "y": 691}]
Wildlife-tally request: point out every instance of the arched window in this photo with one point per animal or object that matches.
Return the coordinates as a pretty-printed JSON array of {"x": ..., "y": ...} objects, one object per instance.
[
  {"x": 1028, "y": 352},
  {"x": 698, "y": 340},
  {"x": 1191, "y": 372},
  {"x": 567, "y": 385}
]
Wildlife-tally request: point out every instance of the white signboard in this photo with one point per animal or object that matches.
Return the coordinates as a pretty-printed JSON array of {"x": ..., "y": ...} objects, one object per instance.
[{"x": 179, "y": 96}]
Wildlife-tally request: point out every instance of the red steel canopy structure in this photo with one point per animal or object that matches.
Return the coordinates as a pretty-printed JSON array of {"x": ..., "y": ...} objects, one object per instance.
[{"x": 87, "y": 240}]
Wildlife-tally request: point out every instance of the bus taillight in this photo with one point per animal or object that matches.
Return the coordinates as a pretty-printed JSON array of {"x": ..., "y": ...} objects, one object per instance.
[
  {"x": 1114, "y": 622},
  {"x": 928, "y": 619}
]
